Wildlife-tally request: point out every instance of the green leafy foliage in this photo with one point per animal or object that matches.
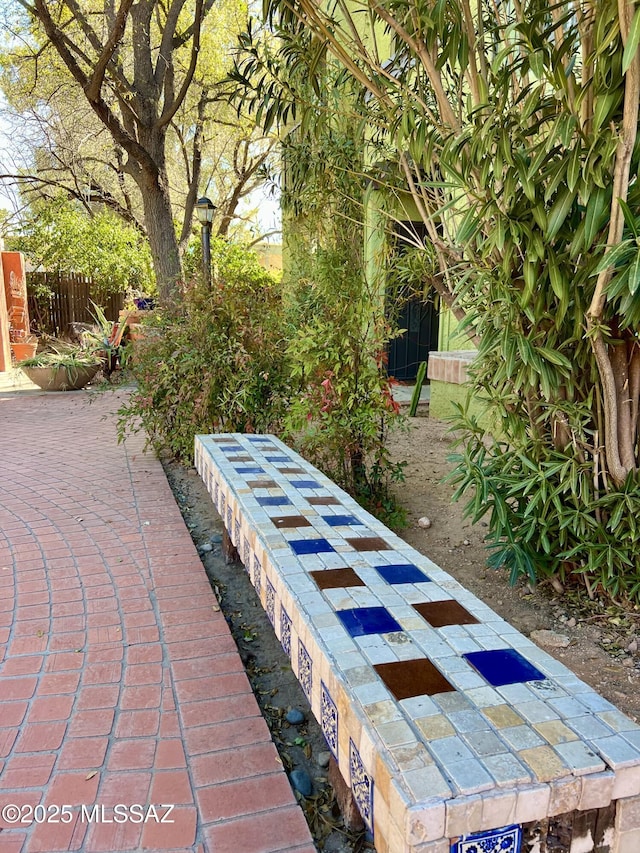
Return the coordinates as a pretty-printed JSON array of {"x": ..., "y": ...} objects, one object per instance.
[
  {"x": 547, "y": 515},
  {"x": 215, "y": 361},
  {"x": 512, "y": 130},
  {"x": 60, "y": 236},
  {"x": 345, "y": 408}
]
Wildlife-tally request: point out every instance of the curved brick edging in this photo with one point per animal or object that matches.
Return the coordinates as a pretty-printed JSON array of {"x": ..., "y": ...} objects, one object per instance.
[{"x": 119, "y": 679}]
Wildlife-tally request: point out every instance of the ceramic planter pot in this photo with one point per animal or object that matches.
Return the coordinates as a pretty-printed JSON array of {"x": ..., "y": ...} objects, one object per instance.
[
  {"x": 62, "y": 378},
  {"x": 23, "y": 349}
]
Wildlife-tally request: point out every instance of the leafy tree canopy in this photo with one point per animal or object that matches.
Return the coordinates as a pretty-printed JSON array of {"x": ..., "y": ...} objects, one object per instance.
[
  {"x": 60, "y": 237},
  {"x": 122, "y": 105}
]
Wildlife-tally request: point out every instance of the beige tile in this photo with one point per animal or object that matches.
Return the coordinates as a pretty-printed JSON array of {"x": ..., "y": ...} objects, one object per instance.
[
  {"x": 463, "y": 815},
  {"x": 627, "y": 842},
  {"x": 545, "y": 763},
  {"x": 532, "y": 803},
  {"x": 411, "y": 757},
  {"x": 597, "y": 790},
  {"x": 628, "y": 814},
  {"x": 498, "y": 809},
  {"x": 502, "y": 716},
  {"x": 627, "y": 783},
  {"x": 425, "y": 823},
  {"x": 555, "y": 731},
  {"x": 383, "y": 712},
  {"x": 565, "y": 796},
  {"x": 434, "y": 727}
]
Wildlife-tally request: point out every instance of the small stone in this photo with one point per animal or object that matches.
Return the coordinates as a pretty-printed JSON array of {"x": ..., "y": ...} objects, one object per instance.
[
  {"x": 633, "y": 646},
  {"x": 571, "y": 623},
  {"x": 216, "y": 538},
  {"x": 301, "y": 781},
  {"x": 323, "y": 759},
  {"x": 466, "y": 542},
  {"x": 551, "y": 639},
  {"x": 424, "y": 522},
  {"x": 294, "y": 717},
  {"x": 204, "y": 549},
  {"x": 628, "y": 662}
]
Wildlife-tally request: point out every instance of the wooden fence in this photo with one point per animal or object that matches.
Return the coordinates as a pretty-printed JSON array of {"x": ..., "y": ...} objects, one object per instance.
[{"x": 58, "y": 299}]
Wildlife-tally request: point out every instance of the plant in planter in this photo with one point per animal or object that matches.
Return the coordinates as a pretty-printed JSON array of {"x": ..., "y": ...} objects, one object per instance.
[
  {"x": 108, "y": 340},
  {"x": 62, "y": 367},
  {"x": 22, "y": 345}
]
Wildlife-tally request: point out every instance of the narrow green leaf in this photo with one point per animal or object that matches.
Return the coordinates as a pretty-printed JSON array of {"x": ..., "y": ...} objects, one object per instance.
[
  {"x": 634, "y": 275},
  {"x": 633, "y": 40},
  {"x": 613, "y": 257},
  {"x": 559, "y": 211},
  {"x": 554, "y": 357},
  {"x": 468, "y": 227},
  {"x": 595, "y": 216},
  {"x": 558, "y": 281},
  {"x": 573, "y": 171},
  {"x": 629, "y": 218}
]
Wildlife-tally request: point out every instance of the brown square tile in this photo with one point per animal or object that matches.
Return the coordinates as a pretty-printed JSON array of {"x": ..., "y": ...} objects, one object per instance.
[
  {"x": 292, "y": 470},
  {"x": 336, "y": 578},
  {"x": 291, "y": 521},
  {"x": 323, "y": 501},
  {"x": 369, "y": 543},
  {"x": 441, "y": 613},
  {"x": 262, "y": 484},
  {"x": 241, "y": 459},
  {"x": 221, "y": 440},
  {"x": 408, "y": 678}
]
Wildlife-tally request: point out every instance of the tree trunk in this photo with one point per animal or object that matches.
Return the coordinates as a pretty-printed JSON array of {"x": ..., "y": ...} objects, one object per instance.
[{"x": 163, "y": 241}]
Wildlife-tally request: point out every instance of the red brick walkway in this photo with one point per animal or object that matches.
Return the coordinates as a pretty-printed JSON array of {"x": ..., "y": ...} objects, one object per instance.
[{"x": 119, "y": 680}]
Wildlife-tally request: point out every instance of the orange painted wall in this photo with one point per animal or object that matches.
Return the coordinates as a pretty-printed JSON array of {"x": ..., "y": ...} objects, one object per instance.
[
  {"x": 15, "y": 291},
  {"x": 5, "y": 349}
]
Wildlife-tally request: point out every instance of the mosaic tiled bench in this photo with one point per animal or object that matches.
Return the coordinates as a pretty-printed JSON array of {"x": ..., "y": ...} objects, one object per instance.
[{"x": 455, "y": 732}]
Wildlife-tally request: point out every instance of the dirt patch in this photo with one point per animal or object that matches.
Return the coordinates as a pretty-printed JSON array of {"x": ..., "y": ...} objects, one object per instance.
[{"x": 602, "y": 641}]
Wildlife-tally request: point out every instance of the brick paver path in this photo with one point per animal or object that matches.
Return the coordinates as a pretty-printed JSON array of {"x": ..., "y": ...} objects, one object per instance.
[{"x": 119, "y": 680}]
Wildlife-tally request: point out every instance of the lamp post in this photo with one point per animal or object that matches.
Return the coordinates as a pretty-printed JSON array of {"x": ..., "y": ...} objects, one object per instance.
[{"x": 205, "y": 209}]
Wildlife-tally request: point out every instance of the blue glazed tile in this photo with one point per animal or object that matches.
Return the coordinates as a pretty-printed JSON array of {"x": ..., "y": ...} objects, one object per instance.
[
  {"x": 329, "y": 719},
  {"x": 285, "y": 631},
  {"x": 216, "y": 495},
  {"x": 257, "y": 575},
  {"x": 230, "y": 448},
  {"x": 361, "y": 786},
  {"x": 246, "y": 554},
  {"x": 503, "y": 666},
  {"x": 340, "y": 520},
  {"x": 310, "y": 546},
  {"x": 230, "y": 520},
  {"x": 368, "y": 620},
  {"x": 278, "y": 458},
  {"x": 305, "y": 669},
  {"x": 256, "y": 438},
  {"x": 223, "y": 505},
  {"x": 249, "y": 469},
  {"x": 402, "y": 573},
  {"x": 271, "y": 603},
  {"x": 279, "y": 500},
  {"x": 305, "y": 484},
  {"x": 505, "y": 840}
]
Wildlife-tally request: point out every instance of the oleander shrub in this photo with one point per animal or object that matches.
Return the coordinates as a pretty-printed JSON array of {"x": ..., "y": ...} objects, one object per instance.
[{"x": 213, "y": 362}]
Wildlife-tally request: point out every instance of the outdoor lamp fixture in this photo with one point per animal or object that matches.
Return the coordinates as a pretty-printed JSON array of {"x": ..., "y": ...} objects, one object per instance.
[{"x": 205, "y": 209}]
